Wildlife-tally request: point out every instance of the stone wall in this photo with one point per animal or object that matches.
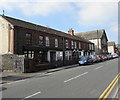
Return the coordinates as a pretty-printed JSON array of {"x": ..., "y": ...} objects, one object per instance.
[
  {"x": 14, "y": 63},
  {"x": 0, "y": 62}
]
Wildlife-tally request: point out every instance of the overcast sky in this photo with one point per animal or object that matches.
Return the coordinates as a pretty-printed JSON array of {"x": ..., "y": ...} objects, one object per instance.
[{"x": 82, "y": 15}]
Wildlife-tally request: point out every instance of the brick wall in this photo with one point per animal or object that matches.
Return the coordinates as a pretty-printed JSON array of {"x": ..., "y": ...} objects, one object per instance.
[{"x": 20, "y": 39}]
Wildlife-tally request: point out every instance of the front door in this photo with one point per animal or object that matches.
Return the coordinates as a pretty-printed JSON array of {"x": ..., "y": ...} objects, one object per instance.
[{"x": 52, "y": 56}]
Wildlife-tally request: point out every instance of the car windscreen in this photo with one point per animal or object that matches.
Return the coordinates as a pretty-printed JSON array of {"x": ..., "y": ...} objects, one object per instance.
[{"x": 84, "y": 58}]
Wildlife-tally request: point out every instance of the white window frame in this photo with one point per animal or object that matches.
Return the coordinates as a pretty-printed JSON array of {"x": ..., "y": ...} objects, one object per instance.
[
  {"x": 29, "y": 54},
  {"x": 92, "y": 46},
  {"x": 67, "y": 43},
  {"x": 79, "y": 45},
  {"x": 66, "y": 55},
  {"x": 56, "y": 42},
  {"x": 47, "y": 41},
  {"x": 28, "y": 37},
  {"x": 72, "y": 45},
  {"x": 41, "y": 38},
  {"x": 75, "y": 44},
  {"x": 26, "y": 53}
]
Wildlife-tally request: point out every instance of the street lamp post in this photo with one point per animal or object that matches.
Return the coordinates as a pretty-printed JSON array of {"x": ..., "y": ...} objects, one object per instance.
[
  {"x": 63, "y": 41},
  {"x": 98, "y": 41}
]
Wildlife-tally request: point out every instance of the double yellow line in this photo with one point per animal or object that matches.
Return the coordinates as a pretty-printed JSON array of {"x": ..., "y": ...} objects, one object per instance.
[{"x": 108, "y": 90}]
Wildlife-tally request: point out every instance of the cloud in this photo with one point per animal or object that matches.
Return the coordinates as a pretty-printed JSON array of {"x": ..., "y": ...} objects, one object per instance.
[
  {"x": 44, "y": 8},
  {"x": 6, "y": 4},
  {"x": 97, "y": 13},
  {"x": 112, "y": 32},
  {"x": 114, "y": 28},
  {"x": 89, "y": 13},
  {"x": 37, "y": 7}
]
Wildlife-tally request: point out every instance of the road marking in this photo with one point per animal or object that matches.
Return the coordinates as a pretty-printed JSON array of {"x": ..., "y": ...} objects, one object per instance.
[
  {"x": 32, "y": 95},
  {"x": 86, "y": 66},
  {"x": 116, "y": 93},
  {"x": 108, "y": 90},
  {"x": 49, "y": 74},
  {"x": 107, "y": 63},
  {"x": 98, "y": 67},
  {"x": 108, "y": 93},
  {"x": 14, "y": 82},
  {"x": 75, "y": 77},
  {"x": 22, "y": 80}
]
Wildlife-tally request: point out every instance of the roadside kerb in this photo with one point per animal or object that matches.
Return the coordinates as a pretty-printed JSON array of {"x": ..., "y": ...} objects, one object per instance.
[
  {"x": 21, "y": 76},
  {"x": 58, "y": 69}
]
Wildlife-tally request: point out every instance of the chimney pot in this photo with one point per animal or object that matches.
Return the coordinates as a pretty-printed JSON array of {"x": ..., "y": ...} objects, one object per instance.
[{"x": 71, "y": 31}]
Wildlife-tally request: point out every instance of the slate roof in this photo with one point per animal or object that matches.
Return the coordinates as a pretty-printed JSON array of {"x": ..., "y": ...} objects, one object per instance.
[
  {"x": 111, "y": 43},
  {"x": 24, "y": 24},
  {"x": 96, "y": 34}
]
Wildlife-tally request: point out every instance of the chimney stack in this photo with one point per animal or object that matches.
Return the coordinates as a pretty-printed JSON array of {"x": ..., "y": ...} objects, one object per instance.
[{"x": 71, "y": 31}]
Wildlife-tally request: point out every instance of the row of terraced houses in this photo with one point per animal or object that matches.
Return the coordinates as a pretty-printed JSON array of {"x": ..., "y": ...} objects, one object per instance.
[{"x": 43, "y": 47}]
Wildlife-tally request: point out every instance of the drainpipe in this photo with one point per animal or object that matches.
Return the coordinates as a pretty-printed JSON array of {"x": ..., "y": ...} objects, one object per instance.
[
  {"x": 98, "y": 41},
  {"x": 9, "y": 33},
  {"x": 63, "y": 41},
  {"x": 11, "y": 40}
]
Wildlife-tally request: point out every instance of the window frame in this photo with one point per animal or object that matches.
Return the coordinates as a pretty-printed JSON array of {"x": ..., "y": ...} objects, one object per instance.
[
  {"x": 72, "y": 44},
  {"x": 79, "y": 45},
  {"x": 47, "y": 41},
  {"x": 41, "y": 40},
  {"x": 29, "y": 54},
  {"x": 75, "y": 43},
  {"x": 28, "y": 39},
  {"x": 56, "y": 42},
  {"x": 67, "y": 43}
]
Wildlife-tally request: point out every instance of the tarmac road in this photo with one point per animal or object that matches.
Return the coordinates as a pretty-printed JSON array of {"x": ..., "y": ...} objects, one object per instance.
[{"x": 88, "y": 81}]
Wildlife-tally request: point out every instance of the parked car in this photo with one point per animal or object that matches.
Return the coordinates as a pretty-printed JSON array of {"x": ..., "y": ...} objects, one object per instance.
[
  {"x": 94, "y": 58},
  {"x": 98, "y": 58},
  {"x": 109, "y": 56},
  {"x": 85, "y": 60},
  {"x": 101, "y": 58},
  {"x": 105, "y": 57},
  {"x": 114, "y": 55}
]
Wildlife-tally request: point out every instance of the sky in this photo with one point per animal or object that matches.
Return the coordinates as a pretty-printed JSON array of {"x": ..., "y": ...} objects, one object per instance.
[{"x": 80, "y": 15}]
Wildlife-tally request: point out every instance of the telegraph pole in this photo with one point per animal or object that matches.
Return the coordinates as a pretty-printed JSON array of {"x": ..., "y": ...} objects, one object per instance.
[
  {"x": 63, "y": 40},
  {"x": 98, "y": 41},
  {"x": 3, "y": 12}
]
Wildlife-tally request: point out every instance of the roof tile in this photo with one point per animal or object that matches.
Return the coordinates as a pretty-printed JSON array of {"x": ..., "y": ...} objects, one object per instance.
[{"x": 20, "y": 23}]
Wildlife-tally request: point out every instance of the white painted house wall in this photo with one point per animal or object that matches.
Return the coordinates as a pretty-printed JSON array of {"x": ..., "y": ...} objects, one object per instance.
[
  {"x": 4, "y": 36},
  {"x": 111, "y": 49},
  {"x": 97, "y": 43}
]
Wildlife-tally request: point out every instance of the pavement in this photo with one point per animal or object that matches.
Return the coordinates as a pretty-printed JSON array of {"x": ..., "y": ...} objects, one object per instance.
[{"x": 7, "y": 76}]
